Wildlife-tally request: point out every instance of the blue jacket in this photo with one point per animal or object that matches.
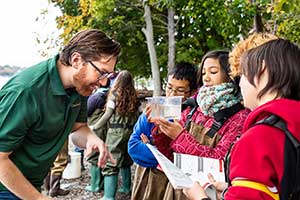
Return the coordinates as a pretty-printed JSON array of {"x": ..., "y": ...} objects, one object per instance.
[{"x": 137, "y": 150}]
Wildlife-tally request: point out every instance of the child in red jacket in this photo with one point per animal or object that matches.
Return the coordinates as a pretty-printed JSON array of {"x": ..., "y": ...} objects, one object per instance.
[{"x": 270, "y": 85}]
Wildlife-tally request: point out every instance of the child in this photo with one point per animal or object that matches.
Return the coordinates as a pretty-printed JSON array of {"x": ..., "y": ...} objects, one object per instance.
[
  {"x": 218, "y": 120},
  {"x": 218, "y": 92},
  {"x": 95, "y": 107},
  {"x": 121, "y": 114},
  {"x": 262, "y": 165},
  {"x": 149, "y": 182}
]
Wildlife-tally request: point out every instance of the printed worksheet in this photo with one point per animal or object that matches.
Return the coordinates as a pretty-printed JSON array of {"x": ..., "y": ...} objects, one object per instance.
[
  {"x": 197, "y": 168},
  {"x": 177, "y": 178}
]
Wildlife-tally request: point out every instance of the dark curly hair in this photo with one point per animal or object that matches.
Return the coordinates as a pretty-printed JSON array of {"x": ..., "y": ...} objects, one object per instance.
[{"x": 125, "y": 93}]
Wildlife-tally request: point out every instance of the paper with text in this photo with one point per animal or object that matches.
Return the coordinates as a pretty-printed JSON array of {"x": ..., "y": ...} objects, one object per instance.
[
  {"x": 197, "y": 168},
  {"x": 177, "y": 178}
]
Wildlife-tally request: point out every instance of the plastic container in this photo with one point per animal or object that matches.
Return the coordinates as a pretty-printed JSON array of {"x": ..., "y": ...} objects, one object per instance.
[
  {"x": 165, "y": 107},
  {"x": 73, "y": 169}
]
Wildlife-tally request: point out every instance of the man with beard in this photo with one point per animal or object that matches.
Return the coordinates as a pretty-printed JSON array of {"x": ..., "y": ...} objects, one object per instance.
[{"x": 43, "y": 104}]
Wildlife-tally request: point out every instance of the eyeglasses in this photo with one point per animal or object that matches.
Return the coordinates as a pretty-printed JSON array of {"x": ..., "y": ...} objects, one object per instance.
[
  {"x": 102, "y": 73},
  {"x": 179, "y": 91}
]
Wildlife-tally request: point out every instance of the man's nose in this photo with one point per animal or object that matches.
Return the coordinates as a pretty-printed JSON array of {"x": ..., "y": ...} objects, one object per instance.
[{"x": 102, "y": 82}]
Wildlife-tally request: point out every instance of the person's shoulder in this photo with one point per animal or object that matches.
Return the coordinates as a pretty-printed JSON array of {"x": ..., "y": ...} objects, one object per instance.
[
  {"x": 111, "y": 97},
  {"x": 262, "y": 134},
  {"x": 143, "y": 118},
  {"x": 97, "y": 99},
  {"x": 31, "y": 75},
  {"x": 16, "y": 86},
  {"x": 143, "y": 121}
]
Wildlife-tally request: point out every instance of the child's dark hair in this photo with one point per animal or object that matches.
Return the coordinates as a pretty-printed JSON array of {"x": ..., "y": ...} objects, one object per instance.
[
  {"x": 280, "y": 58},
  {"x": 185, "y": 71},
  {"x": 222, "y": 56}
]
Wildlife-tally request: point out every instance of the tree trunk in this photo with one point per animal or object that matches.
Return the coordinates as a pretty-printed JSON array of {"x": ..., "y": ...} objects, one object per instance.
[
  {"x": 171, "y": 37},
  {"x": 148, "y": 31},
  {"x": 258, "y": 26}
]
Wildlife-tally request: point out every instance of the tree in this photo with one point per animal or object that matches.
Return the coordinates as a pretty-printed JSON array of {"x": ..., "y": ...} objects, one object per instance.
[
  {"x": 281, "y": 17},
  {"x": 188, "y": 28},
  {"x": 122, "y": 20},
  {"x": 286, "y": 19},
  {"x": 148, "y": 31}
]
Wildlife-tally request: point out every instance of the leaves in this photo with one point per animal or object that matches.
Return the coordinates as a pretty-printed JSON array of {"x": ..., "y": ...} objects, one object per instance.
[{"x": 201, "y": 25}]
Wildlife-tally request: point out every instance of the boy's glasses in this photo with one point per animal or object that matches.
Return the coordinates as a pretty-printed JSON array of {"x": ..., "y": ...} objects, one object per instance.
[{"x": 178, "y": 91}]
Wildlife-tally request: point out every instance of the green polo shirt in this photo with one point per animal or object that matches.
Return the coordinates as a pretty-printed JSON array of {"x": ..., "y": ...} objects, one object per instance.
[{"x": 37, "y": 115}]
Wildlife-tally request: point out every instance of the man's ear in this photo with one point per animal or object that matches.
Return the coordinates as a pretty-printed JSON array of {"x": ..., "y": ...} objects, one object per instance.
[{"x": 75, "y": 60}]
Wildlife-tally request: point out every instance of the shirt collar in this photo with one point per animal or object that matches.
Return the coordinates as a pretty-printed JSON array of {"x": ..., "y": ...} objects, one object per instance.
[{"x": 55, "y": 80}]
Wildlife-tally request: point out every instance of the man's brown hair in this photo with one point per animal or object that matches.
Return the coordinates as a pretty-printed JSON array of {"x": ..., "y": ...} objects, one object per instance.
[{"x": 91, "y": 44}]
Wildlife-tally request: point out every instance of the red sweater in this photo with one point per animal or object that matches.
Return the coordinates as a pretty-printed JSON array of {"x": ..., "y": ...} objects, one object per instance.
[
  {"x": 259, "y": 154},
  {"x": 187, "y": 144}
]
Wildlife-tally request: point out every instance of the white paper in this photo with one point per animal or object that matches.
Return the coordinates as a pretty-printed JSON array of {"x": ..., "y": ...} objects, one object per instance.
[
  {"x": 177, "y": 178},
  {"x": 197, "y": 168}
]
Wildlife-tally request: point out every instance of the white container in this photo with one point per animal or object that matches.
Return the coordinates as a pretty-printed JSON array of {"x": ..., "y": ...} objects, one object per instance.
[
  {"x": 165, "y": 107},
  {"x": 73, "y": 169}
]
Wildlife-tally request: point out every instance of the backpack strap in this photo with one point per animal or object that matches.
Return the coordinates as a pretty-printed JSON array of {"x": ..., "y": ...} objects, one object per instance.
[
  {"x": 189, "y": 102},
  {"x": 189, "y": 117},
  {"x": 291, "y": 178},
  {"x": 275, "y": 121},
  {"x": 222, "y": 116}
]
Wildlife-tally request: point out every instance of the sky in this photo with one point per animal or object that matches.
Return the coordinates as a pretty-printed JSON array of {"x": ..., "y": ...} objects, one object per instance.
[{"x": 19, "y": 30}]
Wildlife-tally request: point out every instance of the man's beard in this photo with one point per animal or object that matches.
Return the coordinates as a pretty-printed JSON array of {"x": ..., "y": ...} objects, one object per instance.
[{"x": 80, "y": 84}]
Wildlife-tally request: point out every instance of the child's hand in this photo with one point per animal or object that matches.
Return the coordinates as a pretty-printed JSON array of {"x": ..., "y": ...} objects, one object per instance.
[
  {"x": 196, "y": 192},
  {"x": 144, "y": 138},
  {"x": 148, "y": 113},
  {"x": 171, "y": 129},
  {"x": 220, "y": 186}
]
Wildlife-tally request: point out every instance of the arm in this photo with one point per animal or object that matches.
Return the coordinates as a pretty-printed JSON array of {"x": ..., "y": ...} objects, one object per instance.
[
  {"x": 14, "y": 180},
  {"x": 15, "y": 119},
  {"x": 83, "y": 137},
  {"x": 105, "y": 117},
  {"x": 162, "y": 143},
  {"x": 186, "y": 143},
  {"x": 137, "y": 150},
  {"x": 172, "y": 128}
]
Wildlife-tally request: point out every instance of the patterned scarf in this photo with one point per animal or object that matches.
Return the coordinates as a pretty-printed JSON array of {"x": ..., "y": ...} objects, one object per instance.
[{"x": 211, "y": 99}]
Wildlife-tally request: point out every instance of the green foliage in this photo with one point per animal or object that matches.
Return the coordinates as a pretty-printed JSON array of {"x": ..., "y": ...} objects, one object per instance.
[
  {"x": 123, "y": 20},
  {"x": 69, "y": 7},
  {"x": 201, "y": 25},
  {"x": 290, "y": 29},
  {"x": 287, "y": 18},
  {"x": 216, "y": 23}
]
